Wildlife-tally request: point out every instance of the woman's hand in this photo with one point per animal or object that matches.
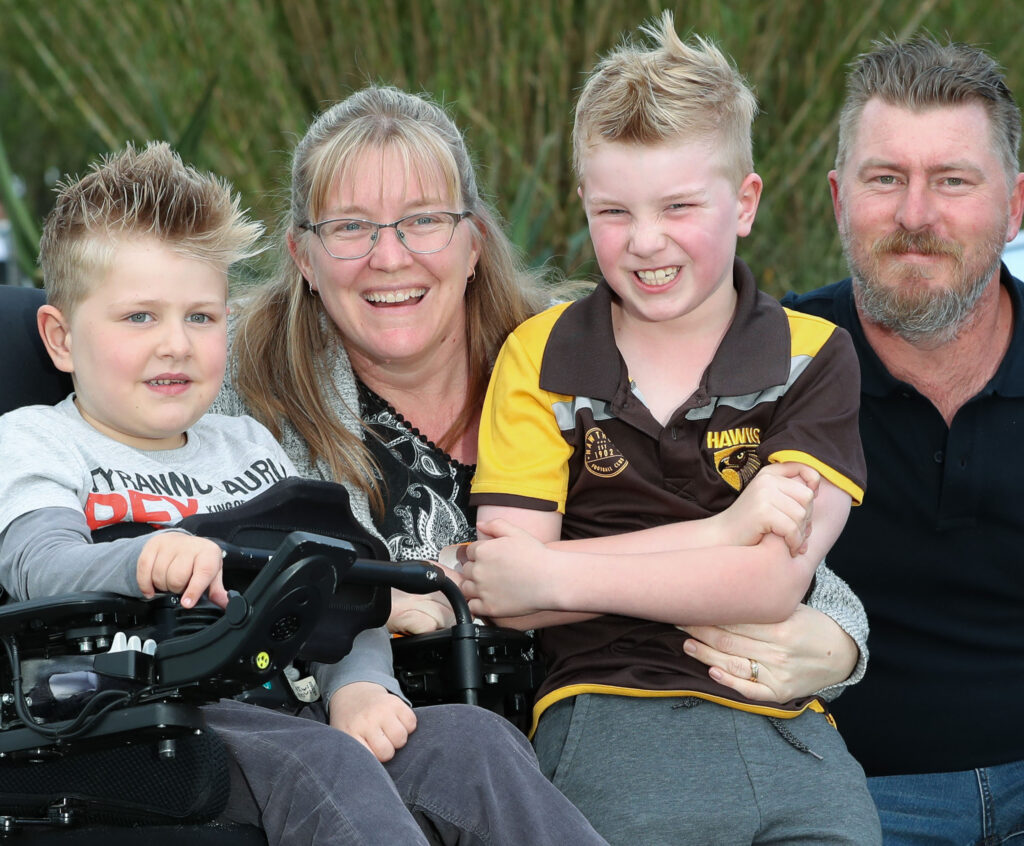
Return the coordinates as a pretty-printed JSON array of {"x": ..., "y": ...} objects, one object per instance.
[
  {"x": 795, "y": 658},
  {"x": 779, "y": 500},
  {"x": 413, "y": 613},
  {"x": 376, "y": 718},
  {"x": 419, "y": 613}
]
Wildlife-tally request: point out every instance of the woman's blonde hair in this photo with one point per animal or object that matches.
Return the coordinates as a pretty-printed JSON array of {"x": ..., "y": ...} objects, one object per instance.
[{"x": 283, "y": 337}]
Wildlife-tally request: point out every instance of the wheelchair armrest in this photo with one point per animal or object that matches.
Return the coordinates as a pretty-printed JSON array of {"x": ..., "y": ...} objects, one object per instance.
[
  {"x": 258, "y": 635},
  {"x": 263, "y": 629},
  {"x": 37, "y": 615}
]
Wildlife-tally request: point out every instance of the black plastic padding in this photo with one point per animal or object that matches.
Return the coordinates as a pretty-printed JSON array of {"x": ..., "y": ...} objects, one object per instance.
[
  {"x": 510, "y": 670},
  {"x": 296, "y": 585},
  {"x": 263, "y": 521},
  {"x": 29, "y": 377}
]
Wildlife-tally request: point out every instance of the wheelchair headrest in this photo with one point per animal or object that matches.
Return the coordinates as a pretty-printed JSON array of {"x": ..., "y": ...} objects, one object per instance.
[{"x": 28, "y": 376}]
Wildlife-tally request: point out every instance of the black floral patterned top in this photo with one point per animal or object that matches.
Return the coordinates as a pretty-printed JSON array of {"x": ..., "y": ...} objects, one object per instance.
[{"x": 426, "y": 491}]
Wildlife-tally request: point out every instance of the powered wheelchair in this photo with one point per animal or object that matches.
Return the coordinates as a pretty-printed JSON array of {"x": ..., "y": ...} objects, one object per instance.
[{"x": 100, "y": 693}]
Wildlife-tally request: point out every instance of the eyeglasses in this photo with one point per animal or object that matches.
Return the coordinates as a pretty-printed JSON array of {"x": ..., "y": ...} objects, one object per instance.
[{"x": 352, "y": 238}]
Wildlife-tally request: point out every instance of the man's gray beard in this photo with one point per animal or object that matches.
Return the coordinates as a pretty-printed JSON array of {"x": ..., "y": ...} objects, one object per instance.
[{"x": 920, "y": 317}]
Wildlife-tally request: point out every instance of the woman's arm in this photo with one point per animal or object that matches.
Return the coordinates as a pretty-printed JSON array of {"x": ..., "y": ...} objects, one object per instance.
[{"x": 821, "y": 649}]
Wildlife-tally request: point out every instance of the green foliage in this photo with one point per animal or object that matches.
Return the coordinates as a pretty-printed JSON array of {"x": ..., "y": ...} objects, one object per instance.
[
  {"x": 23, "y": 225},
  {"x": 234, "y": 82}
]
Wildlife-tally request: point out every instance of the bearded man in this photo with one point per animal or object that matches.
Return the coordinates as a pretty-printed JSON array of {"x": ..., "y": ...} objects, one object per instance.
[{"x": 927, "y": 191}]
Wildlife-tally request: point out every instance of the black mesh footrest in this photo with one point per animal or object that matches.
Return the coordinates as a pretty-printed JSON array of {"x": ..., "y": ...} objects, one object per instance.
[{"x": 125, "y": 784}]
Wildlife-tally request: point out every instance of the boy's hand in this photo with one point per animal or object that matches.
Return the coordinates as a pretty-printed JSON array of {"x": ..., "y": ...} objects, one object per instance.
[
  {"x": 376, "y": 718},
  {"x": 185, "y": 564},
  {"x": 505, "y": 575},
  {"x": 779, "y": 500}
]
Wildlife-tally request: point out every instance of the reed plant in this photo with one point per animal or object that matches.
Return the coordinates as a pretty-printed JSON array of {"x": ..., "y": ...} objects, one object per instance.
[{"x": 233, "y": 83}]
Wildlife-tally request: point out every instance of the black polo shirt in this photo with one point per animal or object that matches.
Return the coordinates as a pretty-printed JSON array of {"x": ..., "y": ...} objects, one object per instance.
[
  {"x": 564, "y": 428},
  {"x": 935, "y": 553}
]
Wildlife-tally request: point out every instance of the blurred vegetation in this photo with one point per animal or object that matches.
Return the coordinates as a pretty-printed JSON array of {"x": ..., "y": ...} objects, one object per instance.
[{"x": 233, "y": 83}]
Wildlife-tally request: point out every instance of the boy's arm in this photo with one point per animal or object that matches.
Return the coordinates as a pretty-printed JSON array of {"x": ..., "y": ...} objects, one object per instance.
[
  {"x": 50, "y": 551},
  {"x": 515, "y": 575},
  {"x": 778, "y": 500},
  {"x": 546, "y": 527}
]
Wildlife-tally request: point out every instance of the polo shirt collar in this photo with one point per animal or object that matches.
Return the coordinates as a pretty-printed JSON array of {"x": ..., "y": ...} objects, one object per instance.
[
  {"x": 756, "y": 349},
  {"x": 876, "y": 380},
  {"x": 580, "y": 357},
  {"x": 754, "y": 353}
]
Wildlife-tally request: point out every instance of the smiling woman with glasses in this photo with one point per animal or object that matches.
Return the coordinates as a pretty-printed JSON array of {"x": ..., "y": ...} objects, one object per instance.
[
  {"x": 367, "y": 355},
  {"x": 396, "y": 330}
]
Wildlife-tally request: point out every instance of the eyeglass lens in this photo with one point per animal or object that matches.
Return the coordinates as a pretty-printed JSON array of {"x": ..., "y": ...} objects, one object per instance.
[{"x": 426, "y": 232}]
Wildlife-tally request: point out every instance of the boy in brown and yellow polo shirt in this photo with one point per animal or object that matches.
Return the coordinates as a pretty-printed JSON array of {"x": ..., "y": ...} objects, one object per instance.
[{"x": 647, "y": 408}]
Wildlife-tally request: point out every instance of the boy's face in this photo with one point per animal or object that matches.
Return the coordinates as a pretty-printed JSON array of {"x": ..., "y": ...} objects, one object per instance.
[
  {"x": 146, "y": 346},
  {"x": 664, "y": 221}
]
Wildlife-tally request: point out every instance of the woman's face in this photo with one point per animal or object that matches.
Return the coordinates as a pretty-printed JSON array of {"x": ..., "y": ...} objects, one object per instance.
[{"x": 391, "y": 306}]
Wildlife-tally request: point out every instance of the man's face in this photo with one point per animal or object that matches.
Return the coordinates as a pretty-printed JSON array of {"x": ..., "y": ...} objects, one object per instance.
[{"x": 924, "y": 210}]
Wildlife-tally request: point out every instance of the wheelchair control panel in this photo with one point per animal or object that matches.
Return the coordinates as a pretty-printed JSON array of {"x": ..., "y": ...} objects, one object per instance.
[{"x": 99, "y": 667}]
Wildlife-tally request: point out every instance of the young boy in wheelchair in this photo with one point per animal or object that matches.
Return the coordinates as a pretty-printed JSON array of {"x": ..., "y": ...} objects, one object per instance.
[{"x": 135, "y": 259}]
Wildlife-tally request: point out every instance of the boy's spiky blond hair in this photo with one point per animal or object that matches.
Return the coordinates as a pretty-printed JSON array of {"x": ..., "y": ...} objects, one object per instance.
[
  {"x": 136, "y": 193},
  {"x": 671, "y": 91}
]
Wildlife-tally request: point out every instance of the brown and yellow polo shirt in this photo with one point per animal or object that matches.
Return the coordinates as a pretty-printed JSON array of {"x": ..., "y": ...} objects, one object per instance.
[{"x": 563, "y": 428}]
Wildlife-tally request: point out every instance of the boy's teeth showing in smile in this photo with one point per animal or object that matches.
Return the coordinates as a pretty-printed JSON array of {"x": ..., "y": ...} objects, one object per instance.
[
  {"x": 171, "y": 385},
  {"x": 379, "y": 298},
  {"x": 661, "y": 276}
]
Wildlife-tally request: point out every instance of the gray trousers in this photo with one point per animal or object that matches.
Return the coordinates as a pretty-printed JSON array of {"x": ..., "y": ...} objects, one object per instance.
[
  {"x": 466, "y": 777},
  {"x": 644, "y": 771}
]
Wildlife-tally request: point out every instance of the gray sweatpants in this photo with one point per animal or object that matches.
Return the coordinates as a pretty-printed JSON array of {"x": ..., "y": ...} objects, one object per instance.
[
  {"x": 667, "y": 771},
  {"x": 466, "y": 777}
]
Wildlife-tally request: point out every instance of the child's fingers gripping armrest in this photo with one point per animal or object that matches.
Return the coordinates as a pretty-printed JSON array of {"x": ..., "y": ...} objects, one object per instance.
[{"x": 181, "y": 563}]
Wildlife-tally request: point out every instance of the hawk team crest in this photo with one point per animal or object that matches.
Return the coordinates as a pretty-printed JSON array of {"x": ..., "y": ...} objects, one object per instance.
[
  {"x": 735, "y": 455},
  {"x": 601, "y": 457}
]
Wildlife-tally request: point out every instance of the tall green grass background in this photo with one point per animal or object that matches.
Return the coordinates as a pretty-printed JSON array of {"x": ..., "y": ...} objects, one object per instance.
[{"x": 233, "y": 84}]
